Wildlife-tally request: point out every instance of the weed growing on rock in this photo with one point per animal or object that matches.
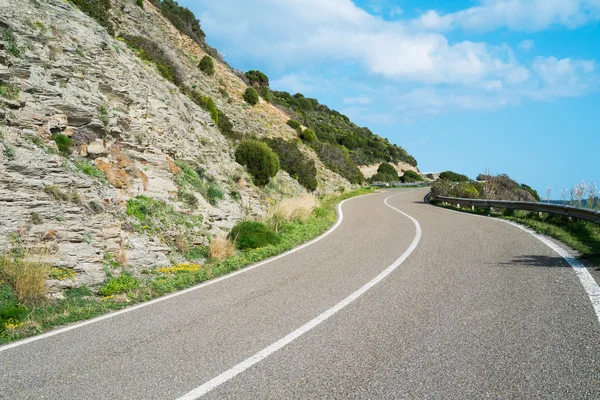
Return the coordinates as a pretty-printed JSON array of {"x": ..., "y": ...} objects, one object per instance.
[
  {"x": 9, "y": 91},
  {"x": 64, "y": 143},
  {"x": 98, "y": 10},
  {"x": 9, "y": 151},
  {"x": 10, "y": 42},
  {"x": 89, "y": 169},
  {"x": 26, "y": 274}
]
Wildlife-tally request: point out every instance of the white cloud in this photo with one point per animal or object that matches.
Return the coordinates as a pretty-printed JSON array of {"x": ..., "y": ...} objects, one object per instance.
[
  {"x": 520, "y": 15},
  {"x": 526, "y": 45},
  {"x": 357, "y": 100},
  {"x": 301, "y": 83},
  {"x": 429, "y": 74}
]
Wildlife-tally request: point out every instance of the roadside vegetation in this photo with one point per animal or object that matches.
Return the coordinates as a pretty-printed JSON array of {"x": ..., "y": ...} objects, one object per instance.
[{"x": 25, "y": 309}]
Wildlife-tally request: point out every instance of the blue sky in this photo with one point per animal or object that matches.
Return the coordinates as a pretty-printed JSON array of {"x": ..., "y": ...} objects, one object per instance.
[{"x": 509, "y": 86}]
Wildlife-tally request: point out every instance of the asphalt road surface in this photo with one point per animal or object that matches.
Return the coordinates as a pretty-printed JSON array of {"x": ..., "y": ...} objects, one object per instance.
[{"x": 445, "y": 306}]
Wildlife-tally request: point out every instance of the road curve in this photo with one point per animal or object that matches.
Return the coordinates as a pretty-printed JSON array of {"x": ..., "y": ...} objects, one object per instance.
[{"x": 479, "y": 309}]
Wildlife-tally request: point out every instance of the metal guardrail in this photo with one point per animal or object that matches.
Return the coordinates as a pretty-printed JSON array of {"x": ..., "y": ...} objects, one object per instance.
[
  {"x": 558, "y": 209},
  {"x": 400, "y": 184}
]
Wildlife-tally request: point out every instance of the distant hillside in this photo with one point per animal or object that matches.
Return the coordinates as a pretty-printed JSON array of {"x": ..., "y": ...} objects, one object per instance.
[{"x": 333, "y": 127}]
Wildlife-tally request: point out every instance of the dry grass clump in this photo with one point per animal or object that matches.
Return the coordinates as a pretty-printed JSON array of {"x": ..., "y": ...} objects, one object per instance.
[
  {"x": 26, "y": 275},
  {"x": 221, "y": 248},
  {"x": 299, "y": 208}
]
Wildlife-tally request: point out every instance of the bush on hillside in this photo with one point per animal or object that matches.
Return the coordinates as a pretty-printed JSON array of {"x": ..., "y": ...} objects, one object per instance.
[
  {"x": 387, "y": 169},
  {"x": 140, "y": 3},
  {"x": 182, "y": 18},
  {"x": 453, "y": 177},
  {"x": 251, "y": 96},
  {"x": 257, "y": 78},
  {"x": 98, "y": 10},
  {"x": 262, "y": 162},
  {"x": 337, "y": 159},
  {"x": 308, "y": 135},
  {"x": 382, "y": 177},
  {"x": 294, "y": 125},
  {"x": 411, "y": 176},
  {"x": 465, "y": 190},
  {"x": 252, "y": 235},
  {"x": 266, "y": 94},
  {"x": 166, "y": 62},
  {"x": 295, "y": 163},
  {"x": 531, "y": 191},
  {"x": 207, "y": 65}
]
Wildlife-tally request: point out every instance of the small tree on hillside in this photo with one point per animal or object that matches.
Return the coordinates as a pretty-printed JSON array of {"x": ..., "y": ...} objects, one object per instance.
[
  {"x": 251, "y": 96},
  {"x": 207, "y": 65}
]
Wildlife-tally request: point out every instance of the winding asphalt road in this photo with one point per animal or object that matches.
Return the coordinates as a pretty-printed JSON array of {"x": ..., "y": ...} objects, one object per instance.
[{"x": 440, "y": 306}]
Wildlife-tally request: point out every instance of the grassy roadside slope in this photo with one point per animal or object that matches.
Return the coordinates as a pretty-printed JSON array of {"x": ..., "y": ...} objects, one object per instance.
[{"x": 119, "y": 292}]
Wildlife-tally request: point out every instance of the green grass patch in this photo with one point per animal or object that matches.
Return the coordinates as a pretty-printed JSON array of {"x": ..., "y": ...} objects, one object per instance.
[
  {"x": 89, "y": 169},
  {"x": 123, "y": 284},
  {"x": 9, "y": 91}
]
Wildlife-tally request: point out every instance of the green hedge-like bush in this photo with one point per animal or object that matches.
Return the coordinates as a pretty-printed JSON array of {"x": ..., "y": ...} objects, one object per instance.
[
  {"x": 387, "y": 169},
  {"x": 252, "y": 235},
  {"x": 207, "y": 65},
  {"x": 381, "y": 177},
  {"x": 411, "y": 176},
  {"x": 308, "y": 135},
  {"x": 295, "y": 163},
  {"x": 251, "y": 96},
  {"x": 453, "y": 177},
  {"x": 294, "y": 125},
  {"x": 262, "y": 162}
]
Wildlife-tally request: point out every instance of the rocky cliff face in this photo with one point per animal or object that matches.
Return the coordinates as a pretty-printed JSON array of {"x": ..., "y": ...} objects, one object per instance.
[{"x": 69, "y": 77}]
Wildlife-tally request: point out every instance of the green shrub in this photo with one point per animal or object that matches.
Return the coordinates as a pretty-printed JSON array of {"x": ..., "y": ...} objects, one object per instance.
[
  {"x": 251, "y": 96},
  {"x": 430, "y": 176},
  {"x": 122, "y": 284},
  {"x": 182, "y": 18},
  {"x": 453, "y": 177},
  {"x": 9, "y": 151},
  {"x": 295, "y": 163},
  {"x": 188, "y": 198},
  {"x": 294, "y": 125},
  {"x": 308, "y": 136},
  {"x": 266, "y": 94},
  {"x": 411, "y": 176},
  {"x": 98, "y": 10},
  {"x": 207, "y": 65},
  {"x": 9, "y": 91},
  {"x": 381, "y": 177},
  {"x": 387, "y": 169},
  {"x": 10, "y": 42},
  {"x": 64, "y": 143},
  {"x": 140, "y": 3},
  {"x": 262, "y": 162},
  {"x": 252, "y": 235},
  {"x": 257, "y": 78},
  {"x": 214, "y": 194},
  {"x": 225, "y": 125},
  {"x": 209, "y": 105},
  {"x": 337, "y": 159},
  {"x": 151, "y": 51}
]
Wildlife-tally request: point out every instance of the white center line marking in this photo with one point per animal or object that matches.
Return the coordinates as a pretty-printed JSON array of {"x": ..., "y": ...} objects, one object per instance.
[{"x": 261, "y": 355}]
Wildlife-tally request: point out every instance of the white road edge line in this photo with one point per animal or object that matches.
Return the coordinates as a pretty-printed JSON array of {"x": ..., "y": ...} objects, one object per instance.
[
  {"x": 587, "y": 280},
  {"x": 261, "y": 355},
  {"x": 193, "y": 288}
]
